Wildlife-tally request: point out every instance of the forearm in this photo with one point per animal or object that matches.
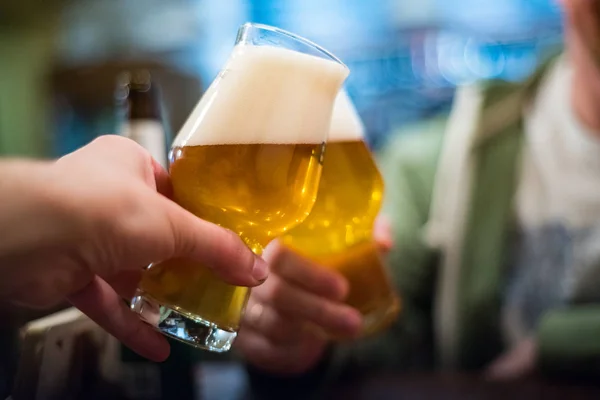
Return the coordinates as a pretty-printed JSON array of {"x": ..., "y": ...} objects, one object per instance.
[{"x": 31, "y": 214}]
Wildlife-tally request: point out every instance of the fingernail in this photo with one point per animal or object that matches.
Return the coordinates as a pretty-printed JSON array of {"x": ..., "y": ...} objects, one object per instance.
[{"x": 260, "y": 270}]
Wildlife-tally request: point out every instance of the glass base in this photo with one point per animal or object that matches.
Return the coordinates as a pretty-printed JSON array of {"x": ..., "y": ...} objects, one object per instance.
[
  {"x": 381, "y": 318},
  {"x": 181, "y": 326}
]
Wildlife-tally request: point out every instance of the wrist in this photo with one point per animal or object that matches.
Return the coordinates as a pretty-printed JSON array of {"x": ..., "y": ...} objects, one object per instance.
[{"x": 32, "y": 211}]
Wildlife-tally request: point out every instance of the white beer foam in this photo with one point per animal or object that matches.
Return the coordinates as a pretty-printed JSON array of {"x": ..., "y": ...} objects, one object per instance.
[
  {"x": 266, "y": 94},
  {"x": 346, "y": 125}
]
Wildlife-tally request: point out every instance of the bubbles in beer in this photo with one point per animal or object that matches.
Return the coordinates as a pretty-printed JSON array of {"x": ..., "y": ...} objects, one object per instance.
[
  {"x": 339, "y": 230},
  {"x": 282, "y": 97},
  {"x": 346, "y": 125}
]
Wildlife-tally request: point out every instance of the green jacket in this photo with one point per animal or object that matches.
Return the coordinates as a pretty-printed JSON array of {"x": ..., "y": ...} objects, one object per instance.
[
  {"x": 450, "y": 199},
  {"x": 449, "y": 196}
]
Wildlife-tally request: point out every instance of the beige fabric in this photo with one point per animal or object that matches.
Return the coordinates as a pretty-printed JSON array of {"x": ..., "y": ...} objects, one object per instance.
[
  {"x": 445, "y": 230},
  {"x": 556, "y": 197},
  {"x": 561, "y": 165}
]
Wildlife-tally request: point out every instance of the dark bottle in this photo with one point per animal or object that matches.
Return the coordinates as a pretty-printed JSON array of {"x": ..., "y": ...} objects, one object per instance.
[{"x": 138, "y": 98}]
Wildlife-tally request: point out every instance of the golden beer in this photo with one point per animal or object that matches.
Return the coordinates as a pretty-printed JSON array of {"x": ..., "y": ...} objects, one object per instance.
[
  {"x": 338, "y": 233},
  {"x": 249, "y": 159},
  {"x": 255, "y": 190}
]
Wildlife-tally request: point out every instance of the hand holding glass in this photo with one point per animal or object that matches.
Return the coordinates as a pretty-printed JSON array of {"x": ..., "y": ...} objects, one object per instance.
[
  {"x": 248, "y": 159},
  {"x": 338, "y": 233}
]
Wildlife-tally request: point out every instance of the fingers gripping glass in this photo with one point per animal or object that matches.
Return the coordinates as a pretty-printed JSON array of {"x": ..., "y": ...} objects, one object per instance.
[
  {"x": 338, "y": 233},
  {"x": 249, "y": 159}
]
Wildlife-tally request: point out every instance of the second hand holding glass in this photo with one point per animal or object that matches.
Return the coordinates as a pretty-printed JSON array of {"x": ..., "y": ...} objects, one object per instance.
[
  {"x": 338, "y": 233},
  {"x": 249, "y": 159}
]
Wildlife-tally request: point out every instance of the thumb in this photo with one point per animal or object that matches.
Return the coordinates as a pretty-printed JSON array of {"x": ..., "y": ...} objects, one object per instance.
[{"x": 217, "y": 248}]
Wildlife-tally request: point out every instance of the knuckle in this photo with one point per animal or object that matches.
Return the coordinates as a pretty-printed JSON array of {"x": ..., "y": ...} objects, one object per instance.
[
  {"x": 328, "y": 315},
  {"x": 289, "y": 264},
  {"x": 177, "y": 232},
  {"x": 230, "y": 237},
  {"x": 131, "y": 333},
  {"x": 139, "y": 232},
  {"x": 120, "y": 144},
  {"x": 133, "y": 219},
  {"x": 228, "y": 242},
  {"x": 321, "y": 313},
  {"x": 274, "y": 292},
  {"x": 256, "y": 294},
  {"x": 106, "y": 139},
  {"x": 342, "y": 286},
  {"x": 109, "y": 141},
  {"x": 275, "y": 254},
  {"x": 253, "y": 313},
  {"x": 295, "y": 267},
  {"x": 271, "y": 322},
  {"x": 122, "y": 205},
  {"x": 285, "y": 332},
  {"x": 240, "y": 255}
]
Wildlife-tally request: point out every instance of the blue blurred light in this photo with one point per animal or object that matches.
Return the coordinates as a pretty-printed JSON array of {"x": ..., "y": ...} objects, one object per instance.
[{"x": 405, "y": 56}]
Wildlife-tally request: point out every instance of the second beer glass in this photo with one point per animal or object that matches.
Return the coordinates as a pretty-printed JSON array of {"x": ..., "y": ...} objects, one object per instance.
[
  {"x": 248, "y": 159},
  {"x": 339, "y": 231}
]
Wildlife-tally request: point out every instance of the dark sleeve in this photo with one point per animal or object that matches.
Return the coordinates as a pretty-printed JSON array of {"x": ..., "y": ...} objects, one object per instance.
[{"x": 569, "y": 342}]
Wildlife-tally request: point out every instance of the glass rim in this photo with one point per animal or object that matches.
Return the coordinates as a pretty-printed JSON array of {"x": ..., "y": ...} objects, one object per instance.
[{"x": 294, "y": 36}]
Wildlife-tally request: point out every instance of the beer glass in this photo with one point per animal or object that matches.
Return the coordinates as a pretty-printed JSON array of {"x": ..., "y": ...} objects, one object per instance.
[
  {"x": 338, "y": 233},
  {"x": 249, "y": 159}
]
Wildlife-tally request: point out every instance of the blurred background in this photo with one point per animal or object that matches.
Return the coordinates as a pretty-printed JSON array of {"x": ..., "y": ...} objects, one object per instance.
[
  {"x": 61, "y": 61},
  {"x": 60, "y": 58}
]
